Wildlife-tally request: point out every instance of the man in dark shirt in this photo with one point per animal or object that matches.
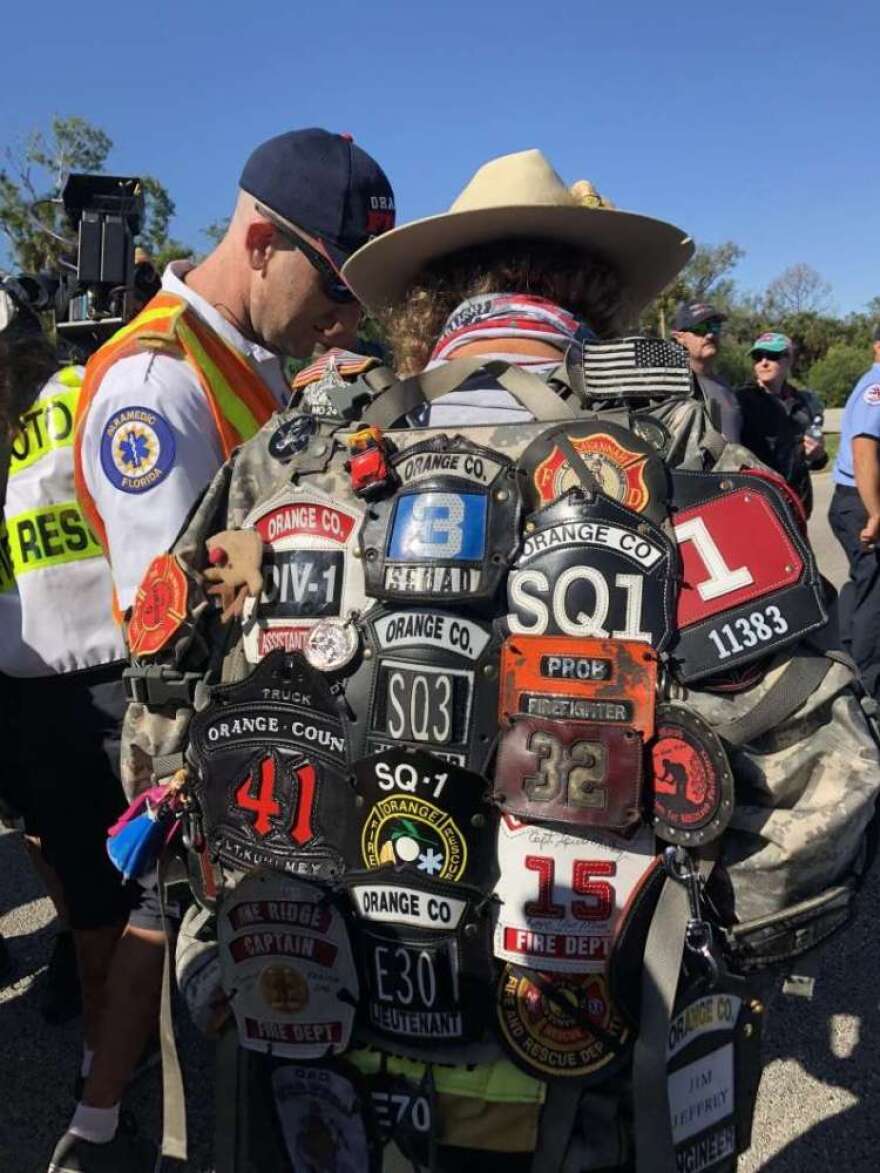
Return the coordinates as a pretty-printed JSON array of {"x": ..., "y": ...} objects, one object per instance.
[
  {"x": 777, "y": 417},
  {"x": 697, "y": 326}
]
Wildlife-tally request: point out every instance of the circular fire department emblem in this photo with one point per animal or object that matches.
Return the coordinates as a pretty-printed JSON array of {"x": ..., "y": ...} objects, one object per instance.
[
  {"x": 561, "y": 1025},
  {"x": 618, "y": 470},
  {"x": 691, "y": 779},
  {"x": 400, "y": 830}
]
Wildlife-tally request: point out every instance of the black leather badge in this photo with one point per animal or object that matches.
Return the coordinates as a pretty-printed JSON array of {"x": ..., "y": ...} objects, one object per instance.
[
  {"x": 270, "y": 757},
  {"x": 425, "y": 954},
  {"x": 449, "y": 532},
  {"x": 428, "y": 680},
  {"x": 403, "y": 1109},
  {"x": 598, "y": 455},
  {"x": 713, "y": 1071},
  {"x": 589, "y": 566},
  {"x": 426, "y": 815},
  {"x": 750, "y": 584}
]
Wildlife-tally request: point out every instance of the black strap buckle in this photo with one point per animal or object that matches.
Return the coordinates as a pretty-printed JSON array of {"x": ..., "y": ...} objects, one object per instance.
[{"x": 157, "y": 685}]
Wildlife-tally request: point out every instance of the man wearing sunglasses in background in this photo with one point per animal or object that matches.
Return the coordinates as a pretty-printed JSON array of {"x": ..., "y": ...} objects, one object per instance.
[
  {"x": 781, "y": 422},
  {"x": 698, "y": 328},
  {"x": 162, "y": 406}
]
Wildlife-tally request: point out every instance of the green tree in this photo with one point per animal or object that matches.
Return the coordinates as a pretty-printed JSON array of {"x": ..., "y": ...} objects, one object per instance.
[
  {"x": 216, "y": 230},
  {"x": 797, "y": 290},
  {"x": 733, "y": 363},
  {"x": 834, "y": 375},
  {"x": 706, "y": 276},
  {"x": 34, "y": 173}
]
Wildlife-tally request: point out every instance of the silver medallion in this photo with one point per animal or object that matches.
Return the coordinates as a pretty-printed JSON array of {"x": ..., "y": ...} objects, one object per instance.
[{"x": 331, "y": 644}]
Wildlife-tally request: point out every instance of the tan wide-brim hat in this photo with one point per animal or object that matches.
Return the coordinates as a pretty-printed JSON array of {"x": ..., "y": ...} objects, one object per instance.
[{"x": 522, "y": 196}]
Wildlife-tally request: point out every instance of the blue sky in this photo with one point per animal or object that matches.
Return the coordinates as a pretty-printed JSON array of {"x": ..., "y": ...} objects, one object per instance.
[{"x": 756, "y": 122}]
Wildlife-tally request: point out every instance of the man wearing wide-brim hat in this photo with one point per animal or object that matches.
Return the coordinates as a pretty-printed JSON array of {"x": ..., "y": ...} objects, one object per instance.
[{"x": 519, "y": 267}]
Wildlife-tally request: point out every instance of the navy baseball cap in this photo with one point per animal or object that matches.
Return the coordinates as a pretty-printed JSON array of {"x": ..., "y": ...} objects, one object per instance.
[
  {"x": 688, "y": 316},
  {"x": 324, "y": 184}
]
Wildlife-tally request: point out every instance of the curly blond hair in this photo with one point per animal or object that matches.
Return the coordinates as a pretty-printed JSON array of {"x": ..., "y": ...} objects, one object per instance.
[{"x": 578, "y": 282}]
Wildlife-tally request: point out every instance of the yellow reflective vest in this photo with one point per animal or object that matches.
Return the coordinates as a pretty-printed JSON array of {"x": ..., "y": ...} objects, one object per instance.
[{"x": 55, "y": 585}]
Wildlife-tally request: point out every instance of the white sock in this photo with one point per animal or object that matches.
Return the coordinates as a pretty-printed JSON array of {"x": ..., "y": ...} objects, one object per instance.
[
  {"x": 86, "y": 1066},
  {"x": 97, "y": 1125}
]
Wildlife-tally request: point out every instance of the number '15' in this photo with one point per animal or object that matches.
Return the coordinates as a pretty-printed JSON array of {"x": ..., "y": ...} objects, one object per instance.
[{"x": 600, "y": 892}]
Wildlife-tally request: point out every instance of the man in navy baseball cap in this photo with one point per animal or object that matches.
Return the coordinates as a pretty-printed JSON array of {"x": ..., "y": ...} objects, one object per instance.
[
  {"x": 323, "y": 184},
  {"x": 307, "y": 200}
]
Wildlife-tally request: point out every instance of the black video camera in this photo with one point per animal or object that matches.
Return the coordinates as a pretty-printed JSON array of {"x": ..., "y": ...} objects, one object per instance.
[
  {"x": 107, "y": 212},
  {"x": 99, "y": 285}
]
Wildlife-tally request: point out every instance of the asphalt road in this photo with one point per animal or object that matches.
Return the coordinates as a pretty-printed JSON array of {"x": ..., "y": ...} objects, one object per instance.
[{"x": 816, "y": 1108}]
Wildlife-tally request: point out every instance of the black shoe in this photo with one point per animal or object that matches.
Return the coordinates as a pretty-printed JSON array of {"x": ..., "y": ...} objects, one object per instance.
[
  {"x": 7, "y": 967},
  {"x": 62, "y": 1000},
  {"x": 124, "y": 1154}
]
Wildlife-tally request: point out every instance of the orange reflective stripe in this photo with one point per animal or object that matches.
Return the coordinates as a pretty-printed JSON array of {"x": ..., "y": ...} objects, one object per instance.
[
  {"x": 243, "y": 401},
  {"x": 241, "y": 379}
]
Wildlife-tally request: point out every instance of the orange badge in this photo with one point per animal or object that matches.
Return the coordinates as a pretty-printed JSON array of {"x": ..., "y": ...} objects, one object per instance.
[
  {"x": 619, "y": 471},
  {"x": 159, "y": 608},
  {"x": 605, "y": 681}
]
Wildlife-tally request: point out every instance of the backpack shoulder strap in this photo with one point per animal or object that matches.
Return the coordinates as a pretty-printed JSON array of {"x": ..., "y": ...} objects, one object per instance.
[{"x": 530, "y": 391}]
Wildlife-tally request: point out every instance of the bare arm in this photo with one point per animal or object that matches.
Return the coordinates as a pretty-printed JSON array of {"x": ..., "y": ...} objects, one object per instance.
[{"x": 866, "y": 469}]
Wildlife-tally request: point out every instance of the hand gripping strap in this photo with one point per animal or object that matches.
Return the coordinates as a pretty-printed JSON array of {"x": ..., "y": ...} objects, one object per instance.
[{"x": 531, "y": 392}]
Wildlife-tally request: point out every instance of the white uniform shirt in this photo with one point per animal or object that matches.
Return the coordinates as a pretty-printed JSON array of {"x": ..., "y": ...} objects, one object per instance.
[
  {"x": 479, "y": 405},
  {"x": 150, "y": 444}
]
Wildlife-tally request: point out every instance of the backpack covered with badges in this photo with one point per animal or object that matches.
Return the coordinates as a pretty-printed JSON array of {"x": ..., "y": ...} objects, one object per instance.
[{"x": 528, "y": 746}]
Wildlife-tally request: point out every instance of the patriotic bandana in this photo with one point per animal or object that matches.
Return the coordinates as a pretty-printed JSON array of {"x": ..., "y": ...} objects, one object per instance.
[{"x": 509, "y": 315}]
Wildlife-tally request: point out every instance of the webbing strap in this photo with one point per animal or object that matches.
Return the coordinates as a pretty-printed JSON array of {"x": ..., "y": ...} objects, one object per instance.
[
  {"x": 174, "y": 1138},
  {"x": 664, "y": 948},
  {"x": 557, "y": 1125},
  {"x": 577, "y": 464},
  {"x": 798, "y": 680},
  {"x": 227, "y": 1108},
  {"x": 379, "y": 379},
  {"x": 401, "y": 398},
  {"x": 535, "y": 395}
]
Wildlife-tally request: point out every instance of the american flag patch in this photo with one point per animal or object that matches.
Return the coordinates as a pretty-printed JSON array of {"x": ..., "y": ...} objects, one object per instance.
[
  {"x": 345, "y": 362},
  {"x": 648, "y": 367}
]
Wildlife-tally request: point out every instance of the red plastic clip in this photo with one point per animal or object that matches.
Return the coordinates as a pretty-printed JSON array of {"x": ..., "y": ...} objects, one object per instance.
[{"x": 368, "y": 467}]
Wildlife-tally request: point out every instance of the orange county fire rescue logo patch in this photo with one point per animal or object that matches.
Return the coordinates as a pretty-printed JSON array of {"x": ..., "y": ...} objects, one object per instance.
[
  {"x": 405, "y": 829},
  {"x": 159, "y": 608},
  {"x": 423, "y": 814},
  {"x": 620, "y": 472},
  {"x": 561, "y": 1026}
]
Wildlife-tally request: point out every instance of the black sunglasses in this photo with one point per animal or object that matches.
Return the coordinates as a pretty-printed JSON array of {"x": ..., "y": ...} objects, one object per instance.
[
  {"x": 710, "y": 326},
  {"x": 332, "y": 285},
  {"x": 769, "y": 355}
]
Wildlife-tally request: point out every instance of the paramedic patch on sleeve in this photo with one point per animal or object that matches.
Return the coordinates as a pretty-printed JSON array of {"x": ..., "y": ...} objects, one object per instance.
[{"x": 137, "y": 449}]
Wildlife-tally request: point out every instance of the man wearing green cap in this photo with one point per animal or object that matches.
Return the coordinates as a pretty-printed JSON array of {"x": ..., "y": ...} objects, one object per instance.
[{"x": 780, "y": 420}]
